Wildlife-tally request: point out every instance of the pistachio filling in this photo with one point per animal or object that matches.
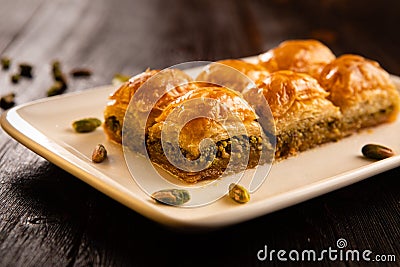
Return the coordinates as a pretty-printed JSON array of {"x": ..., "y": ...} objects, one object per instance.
[
  {"x": 295, "y": 140},
  {"x": 224, "y": 147},
  {"x": 218, "y": 155}
]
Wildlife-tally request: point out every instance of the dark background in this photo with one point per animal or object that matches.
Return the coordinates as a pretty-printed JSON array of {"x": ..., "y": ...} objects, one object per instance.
[{"x": 50, "y": 218}]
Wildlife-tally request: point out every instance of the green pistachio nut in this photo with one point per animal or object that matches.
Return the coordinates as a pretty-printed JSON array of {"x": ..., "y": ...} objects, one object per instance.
[
  {"x": 57, "y": 88},
  {"x": 86, "y": 125},
  {"x": 5, "y": 63},
  {"x": 238, "y": 193},
  {"x": 15, "y": 78},
  {"x": 25, "y": 70},
  {"x": 119, "y": 79},
  {"x": 7, "y": 101},
  {"x": 81, "y": 72},
  {"x": 173, "y": 197}
]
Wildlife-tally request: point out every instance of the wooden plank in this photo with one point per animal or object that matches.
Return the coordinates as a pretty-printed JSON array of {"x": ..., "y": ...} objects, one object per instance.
[{"x": 12, "y": 26}]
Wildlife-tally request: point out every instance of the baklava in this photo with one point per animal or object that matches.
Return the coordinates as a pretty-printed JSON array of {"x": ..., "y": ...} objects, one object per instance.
[
  {"x": 304, "y": 117},
  {"x": 362, "y": 90},
  {"x": 237, "y": 115},
  {"x": 235, "y": 140}
]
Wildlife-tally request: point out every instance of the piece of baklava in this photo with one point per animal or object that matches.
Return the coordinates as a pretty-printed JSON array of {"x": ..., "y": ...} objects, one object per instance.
[
  {"x": 234, "y": 74},
  {"x": 363, "y": 91},
  {"x": 305, "y": 56},
  {"x": 207, "y": 133},
  {"x": 159, "y": 88},
  {"x": 304, "y": 117}
]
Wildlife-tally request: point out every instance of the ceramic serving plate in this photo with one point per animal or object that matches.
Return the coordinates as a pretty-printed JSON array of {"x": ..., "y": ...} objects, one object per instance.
[{"x": 44, "y": 126}]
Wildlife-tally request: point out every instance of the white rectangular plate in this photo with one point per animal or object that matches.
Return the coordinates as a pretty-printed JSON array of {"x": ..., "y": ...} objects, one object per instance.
[{"x": 44, "y": 126}]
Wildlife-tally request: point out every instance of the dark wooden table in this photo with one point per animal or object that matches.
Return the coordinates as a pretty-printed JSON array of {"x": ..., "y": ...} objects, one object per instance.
[{"x": 50, "y": 218}]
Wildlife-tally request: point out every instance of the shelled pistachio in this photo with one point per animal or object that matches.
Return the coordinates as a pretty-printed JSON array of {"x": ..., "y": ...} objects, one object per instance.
[
  {"x": 56, "y": 89},
  {"x": 25, "y": 70},
  {"x": 5, "y": 63},
  {"x": 7, "y": 101},
  {"x": 174, "y": 197},
  {"x": 119, "y": 79},
  {"x": 99, "y": 154},
  {"x": 81, "y": 72},
  {"x": 58, "y": 76},
  {"x": 86, "y": 125},
  {"x": 238, "y": 193},
  {"x": 15, "y": 78}
]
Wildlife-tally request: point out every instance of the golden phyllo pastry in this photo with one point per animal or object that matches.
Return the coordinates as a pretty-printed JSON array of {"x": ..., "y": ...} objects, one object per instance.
[
  {"x": 158, "y": 87},
  {"x": 233, "y": 73},
  {"x": 305, "y": 56},
  {"x": 304, "y": 117},
  {"x": 363, "y": 91},
  {"x": 206, "y": 132}
]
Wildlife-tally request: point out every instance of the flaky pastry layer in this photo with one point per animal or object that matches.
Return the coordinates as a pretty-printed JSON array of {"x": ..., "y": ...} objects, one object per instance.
[{"x": 305, "y": 56}]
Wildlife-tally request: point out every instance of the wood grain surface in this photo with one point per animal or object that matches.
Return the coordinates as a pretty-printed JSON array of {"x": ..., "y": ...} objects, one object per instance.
[{"x": 50, "y": 218}]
